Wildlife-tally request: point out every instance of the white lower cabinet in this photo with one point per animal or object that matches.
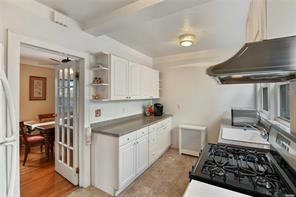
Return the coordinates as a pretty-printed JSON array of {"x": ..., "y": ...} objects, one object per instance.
[
  {"x": 126, "y": 163},
  {"x": 142, "y": 154},
  {"x": 117, "y": 161},
  {"x": 133, "y": 160},
  {"x": 153, "y": 153}
]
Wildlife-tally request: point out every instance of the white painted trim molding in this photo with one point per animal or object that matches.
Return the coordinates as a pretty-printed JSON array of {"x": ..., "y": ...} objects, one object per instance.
[{"x": 13, "y": 70}]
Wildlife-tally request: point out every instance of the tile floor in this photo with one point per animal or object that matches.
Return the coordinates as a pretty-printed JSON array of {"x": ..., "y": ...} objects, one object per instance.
[{"x": 167, "y": 177}]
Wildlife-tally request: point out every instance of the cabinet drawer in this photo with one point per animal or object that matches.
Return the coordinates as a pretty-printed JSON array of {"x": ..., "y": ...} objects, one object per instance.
[
  {"x": 153, "y": 127},
  {"x": 165, "y": 122},
  {"x": 162, "y": 123},
  {"x": 142, "y": 132},
  {"x": 127, "y": 138}
]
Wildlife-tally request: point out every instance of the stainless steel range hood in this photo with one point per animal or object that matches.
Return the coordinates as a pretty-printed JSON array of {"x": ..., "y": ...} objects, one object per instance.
[{"x": 265, "y": 61}]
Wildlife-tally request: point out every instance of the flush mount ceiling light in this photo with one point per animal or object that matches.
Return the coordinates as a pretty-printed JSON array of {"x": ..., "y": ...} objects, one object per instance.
[{"x": 186, "y": 40}]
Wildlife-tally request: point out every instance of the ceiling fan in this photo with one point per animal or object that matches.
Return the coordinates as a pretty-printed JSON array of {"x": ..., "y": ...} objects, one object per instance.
[{"x": 62, "y": 61}]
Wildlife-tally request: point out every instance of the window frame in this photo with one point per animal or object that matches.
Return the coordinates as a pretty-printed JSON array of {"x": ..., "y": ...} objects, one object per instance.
[
  {"x": 265, "y": 112},
  {"x": 278, "y": 118}
]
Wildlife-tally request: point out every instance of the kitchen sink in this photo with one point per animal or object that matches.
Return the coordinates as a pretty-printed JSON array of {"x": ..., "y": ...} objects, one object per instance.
[{"x": 243, "y": 135}]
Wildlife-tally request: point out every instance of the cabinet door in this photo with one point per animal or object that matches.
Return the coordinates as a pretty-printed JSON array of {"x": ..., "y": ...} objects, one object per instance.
[
  {"x": 161, "y": 140},
  {"x": 155, "y": 83},
  {"x": 167, "y": 136},
  {"x": 150, "y": 83},
  {"x": 142, "y": 154},
  {"x": 153, "y": 147},
  {"x": 145, "y": 82},
  {"x": 126, "y": 163},
  {"x": 134, "y": 81},
  {"x": 119, "y": 78}
]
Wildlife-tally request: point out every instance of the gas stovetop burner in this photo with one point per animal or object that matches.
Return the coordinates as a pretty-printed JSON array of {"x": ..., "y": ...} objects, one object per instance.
[
  {"x": 261, "y": 181},
  {"x": 246, "y": 170}
]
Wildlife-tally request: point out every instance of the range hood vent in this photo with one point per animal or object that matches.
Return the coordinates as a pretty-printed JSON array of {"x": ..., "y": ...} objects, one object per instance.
[{"x": 265, "y": 61}]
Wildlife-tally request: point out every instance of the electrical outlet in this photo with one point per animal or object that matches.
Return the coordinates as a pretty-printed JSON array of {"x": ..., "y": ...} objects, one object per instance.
[{"x": 98, "y": 112}]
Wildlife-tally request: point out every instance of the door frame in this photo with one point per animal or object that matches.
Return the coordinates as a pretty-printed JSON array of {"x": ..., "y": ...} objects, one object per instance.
[{"x": 13, "y": 71}]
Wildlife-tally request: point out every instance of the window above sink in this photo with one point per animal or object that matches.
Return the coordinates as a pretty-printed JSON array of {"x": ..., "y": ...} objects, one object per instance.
[{"x": 274, "y": 103}]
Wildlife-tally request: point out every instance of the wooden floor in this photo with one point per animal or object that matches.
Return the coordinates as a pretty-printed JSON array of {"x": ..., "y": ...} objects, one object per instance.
[{"x": 38, "y": 177}]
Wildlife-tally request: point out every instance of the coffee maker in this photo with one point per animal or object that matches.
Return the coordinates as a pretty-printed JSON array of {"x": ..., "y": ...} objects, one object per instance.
[{"x": 158, "y": 109}]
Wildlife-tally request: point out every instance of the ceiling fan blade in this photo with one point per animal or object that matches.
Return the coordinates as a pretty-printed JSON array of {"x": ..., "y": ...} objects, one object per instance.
[
  {"x": 66, "y": 60},
  {"x": 54, "y": 60}
]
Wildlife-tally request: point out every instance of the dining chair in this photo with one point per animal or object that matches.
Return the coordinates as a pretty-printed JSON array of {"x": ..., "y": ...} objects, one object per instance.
[
  {"x": 30, "y": 140},
  {"x": 46, "y": 117}
]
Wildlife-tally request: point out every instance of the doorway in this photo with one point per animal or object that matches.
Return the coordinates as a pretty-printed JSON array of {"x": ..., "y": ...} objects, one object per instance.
[{"x": 49, "y": 89}]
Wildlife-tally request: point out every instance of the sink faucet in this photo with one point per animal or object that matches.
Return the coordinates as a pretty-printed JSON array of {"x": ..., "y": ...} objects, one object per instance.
[{"x": 262, "y": 130}]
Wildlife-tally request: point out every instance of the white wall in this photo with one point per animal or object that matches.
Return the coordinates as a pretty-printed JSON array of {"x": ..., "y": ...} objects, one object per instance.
[
  {"x": 21, "y": 19},
  {"x": 193, "y": 97},
  {"x": 117, "y": 109},
  {"x": 281, "y": 16}
]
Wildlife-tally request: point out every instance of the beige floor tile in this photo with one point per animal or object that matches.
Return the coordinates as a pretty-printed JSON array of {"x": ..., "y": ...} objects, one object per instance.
[{"x": 167, "y": 177}]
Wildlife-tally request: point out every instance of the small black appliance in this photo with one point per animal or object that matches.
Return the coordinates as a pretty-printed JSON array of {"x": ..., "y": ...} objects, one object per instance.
[{"x": 158, "y": 109}]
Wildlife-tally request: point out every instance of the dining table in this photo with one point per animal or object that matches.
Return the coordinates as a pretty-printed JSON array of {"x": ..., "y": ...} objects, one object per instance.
[{"x": 47, "y": 129}]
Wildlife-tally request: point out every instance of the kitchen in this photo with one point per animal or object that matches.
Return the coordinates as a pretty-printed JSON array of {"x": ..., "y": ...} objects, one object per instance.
[{"x": 189, "y": 96}]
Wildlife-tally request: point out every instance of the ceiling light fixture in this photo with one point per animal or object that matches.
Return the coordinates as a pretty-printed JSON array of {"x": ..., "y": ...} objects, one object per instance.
[{"x": 186, "y": 40}]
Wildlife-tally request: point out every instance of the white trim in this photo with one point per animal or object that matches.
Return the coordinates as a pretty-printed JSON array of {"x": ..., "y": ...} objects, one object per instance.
[
  {"x": 13, "y": 70},
  {"x": 277, "y": 116},
  {"x": 282, "y": 122},
  {"x": 273, "y": 103},
  {"x": 265, "y": 112}
]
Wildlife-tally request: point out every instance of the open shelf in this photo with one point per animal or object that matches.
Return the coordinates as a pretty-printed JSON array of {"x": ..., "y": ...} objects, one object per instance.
[
  {"x": 99, "y": 100},
  {"x": 100, "y": 78},
  {"x": 99, "y": 67},
  {"x": 99, "y": 84}
]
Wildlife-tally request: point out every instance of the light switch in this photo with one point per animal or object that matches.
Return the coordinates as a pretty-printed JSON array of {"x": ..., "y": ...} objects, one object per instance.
[
  {"x": 179, "y": 106},
  {"x": 98, "y": 112}
]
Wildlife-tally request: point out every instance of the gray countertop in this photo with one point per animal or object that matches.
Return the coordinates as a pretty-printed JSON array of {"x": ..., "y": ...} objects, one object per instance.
[{"x": 122, "y": 126}]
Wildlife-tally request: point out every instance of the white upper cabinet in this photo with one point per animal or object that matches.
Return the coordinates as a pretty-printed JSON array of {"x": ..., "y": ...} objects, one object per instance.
[
  {"x": 150, "y": 83},
  {"x": 155, "y": 84},
  {"x": 281, "y": 18},
  {"x": 119, "y": 78},
  {"x": 134, "y": 81},
  {"x": 146, "y": 82}
]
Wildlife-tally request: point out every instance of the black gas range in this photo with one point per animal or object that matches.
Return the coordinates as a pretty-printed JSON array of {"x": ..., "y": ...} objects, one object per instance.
[{"x": 256, "y": 172}]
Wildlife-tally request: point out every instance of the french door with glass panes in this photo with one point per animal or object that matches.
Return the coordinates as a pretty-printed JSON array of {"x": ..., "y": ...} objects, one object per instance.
[{"x": 66, "y": 133}]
